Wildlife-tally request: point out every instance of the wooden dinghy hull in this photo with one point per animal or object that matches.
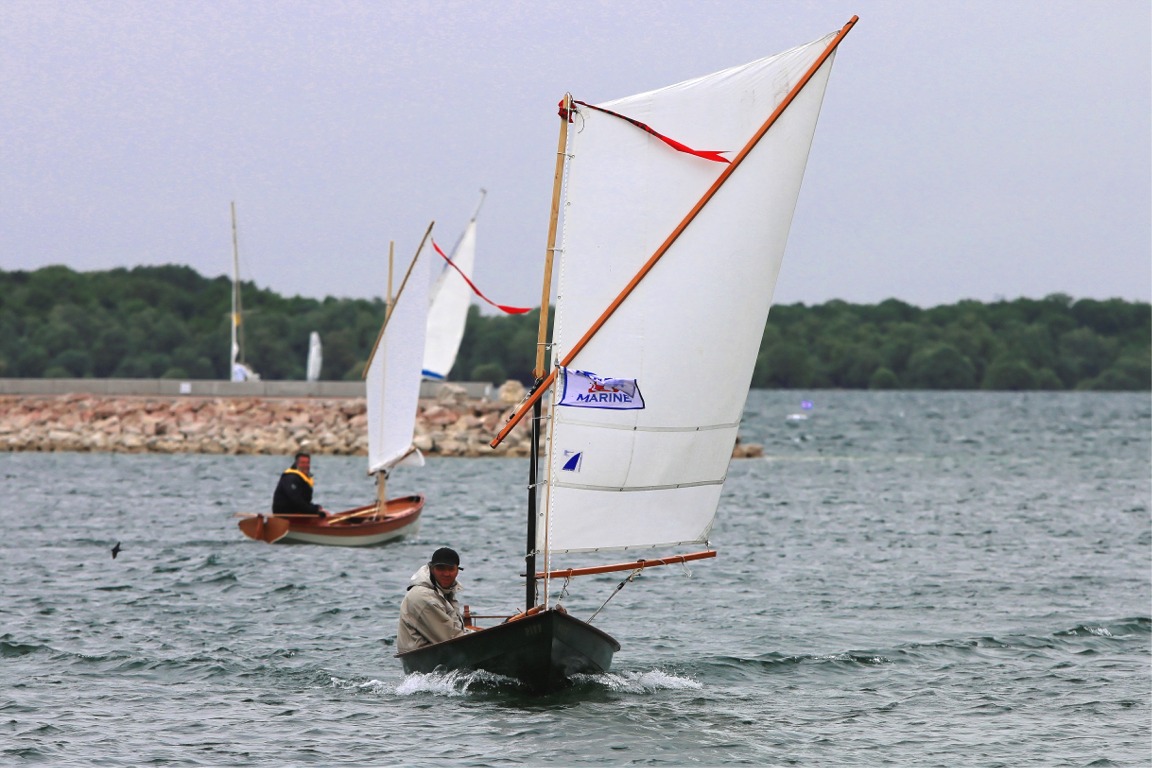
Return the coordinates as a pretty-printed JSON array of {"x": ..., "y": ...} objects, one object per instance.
[
  {"x": 400, "y": 518},
  {"x": 542, "y": 651}
]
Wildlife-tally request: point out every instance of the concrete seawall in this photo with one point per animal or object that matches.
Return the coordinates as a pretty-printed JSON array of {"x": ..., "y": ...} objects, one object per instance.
[
  {"x": 139, "y": 416},
  {"x": 451, "y": 423}
]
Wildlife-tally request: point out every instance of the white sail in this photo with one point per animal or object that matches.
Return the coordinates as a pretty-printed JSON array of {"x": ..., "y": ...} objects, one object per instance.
[
  {"x": 315, "y": 357},
  {"x": 393, "y": 379},
  {"x": 688, "y": 334},
  {"x": 451, "y": 296}
]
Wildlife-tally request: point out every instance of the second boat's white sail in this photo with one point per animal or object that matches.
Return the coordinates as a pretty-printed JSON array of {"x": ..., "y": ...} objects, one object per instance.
[
  {"x": 688, "y": 333},
  {"x": 392, "y": 381}
]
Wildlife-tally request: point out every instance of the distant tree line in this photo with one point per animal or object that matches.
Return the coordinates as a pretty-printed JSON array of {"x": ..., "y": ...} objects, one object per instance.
[{"x": 171, "y": 322}]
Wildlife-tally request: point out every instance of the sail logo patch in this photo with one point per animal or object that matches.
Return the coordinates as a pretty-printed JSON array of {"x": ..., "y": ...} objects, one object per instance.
[
  {"x": 572, "y": 461},
  {"x": 584, "y": 389}
]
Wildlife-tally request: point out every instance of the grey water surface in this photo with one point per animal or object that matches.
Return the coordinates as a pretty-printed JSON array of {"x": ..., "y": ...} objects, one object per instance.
[{"x": 905, "y": 578}]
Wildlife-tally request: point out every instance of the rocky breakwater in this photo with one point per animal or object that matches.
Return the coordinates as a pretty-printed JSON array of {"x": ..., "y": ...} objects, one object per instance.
[{"x": 449, "y": 425}]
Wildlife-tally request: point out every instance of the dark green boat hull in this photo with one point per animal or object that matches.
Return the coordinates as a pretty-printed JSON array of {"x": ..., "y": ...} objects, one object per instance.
[{"x": 542, "y": 651}]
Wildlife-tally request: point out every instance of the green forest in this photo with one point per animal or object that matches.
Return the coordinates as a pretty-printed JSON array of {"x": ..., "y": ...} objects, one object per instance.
[{"x": 171, "y": 322}]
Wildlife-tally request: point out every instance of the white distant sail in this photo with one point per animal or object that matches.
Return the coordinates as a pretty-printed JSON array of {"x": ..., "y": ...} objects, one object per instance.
[
  {"x": 451, "y": 297},
  {"x": 315, "y": 357},
  {"x": 689, "y": 332},
  {"x": 392, "y": 381},
  {"x": 238, "y": 369}
]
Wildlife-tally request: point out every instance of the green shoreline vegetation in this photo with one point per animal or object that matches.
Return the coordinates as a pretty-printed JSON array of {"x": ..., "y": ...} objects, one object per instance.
[{"x": 171, "y": 322}]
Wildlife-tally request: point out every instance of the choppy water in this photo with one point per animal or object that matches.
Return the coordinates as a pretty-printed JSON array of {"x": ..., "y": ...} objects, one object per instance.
[{"x": 904, "y": 579}]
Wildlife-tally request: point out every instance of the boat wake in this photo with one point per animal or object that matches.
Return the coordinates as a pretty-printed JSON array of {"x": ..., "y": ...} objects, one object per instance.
[
  {"x": 463, "y": 683},
  {"x": 640, "y": 681},
  {"x": 453, "y": 683}
]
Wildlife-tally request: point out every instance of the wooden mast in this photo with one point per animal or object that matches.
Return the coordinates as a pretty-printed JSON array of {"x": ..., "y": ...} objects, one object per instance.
[
  {"x": 382, "y": 477},
  {"x": 554, "y": 215},
  {"x": 237, "y": 309},
  {"x": 538, "y": 372},
  {"x": 391, "y": 261},
  {"x": 539, "y": 390}
]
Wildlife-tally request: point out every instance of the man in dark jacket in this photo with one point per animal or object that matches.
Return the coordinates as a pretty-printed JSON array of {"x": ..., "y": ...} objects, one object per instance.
[{"x": 293, "y": 495}]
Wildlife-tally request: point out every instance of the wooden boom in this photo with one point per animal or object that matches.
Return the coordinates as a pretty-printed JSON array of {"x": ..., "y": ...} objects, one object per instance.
[{"x": 641, "y": 563}]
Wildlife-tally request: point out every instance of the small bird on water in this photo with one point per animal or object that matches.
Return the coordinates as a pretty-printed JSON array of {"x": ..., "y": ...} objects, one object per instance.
[{"x": 115, "y": 550}]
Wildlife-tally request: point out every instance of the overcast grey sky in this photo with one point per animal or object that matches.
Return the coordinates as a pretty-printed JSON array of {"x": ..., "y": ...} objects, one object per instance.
[{"x": 966, "y": 150}]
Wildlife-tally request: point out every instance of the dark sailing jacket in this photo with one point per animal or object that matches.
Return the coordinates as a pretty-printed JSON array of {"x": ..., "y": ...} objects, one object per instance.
[{"x": 293, "y": 495}]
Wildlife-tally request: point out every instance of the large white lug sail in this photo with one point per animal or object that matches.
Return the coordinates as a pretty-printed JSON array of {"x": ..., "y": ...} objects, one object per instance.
[
  {"x": 393, "y": 379},
  {"x": 689, "y": 333}
]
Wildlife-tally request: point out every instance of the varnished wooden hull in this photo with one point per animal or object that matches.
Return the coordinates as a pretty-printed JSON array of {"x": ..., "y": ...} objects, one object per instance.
[
  {"x": 401, "y": 517},
  {"x": 542, "y": 651}
]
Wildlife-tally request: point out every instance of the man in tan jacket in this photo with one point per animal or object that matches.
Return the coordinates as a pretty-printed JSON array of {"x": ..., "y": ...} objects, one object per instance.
[{"x": 429, "y": 613}]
